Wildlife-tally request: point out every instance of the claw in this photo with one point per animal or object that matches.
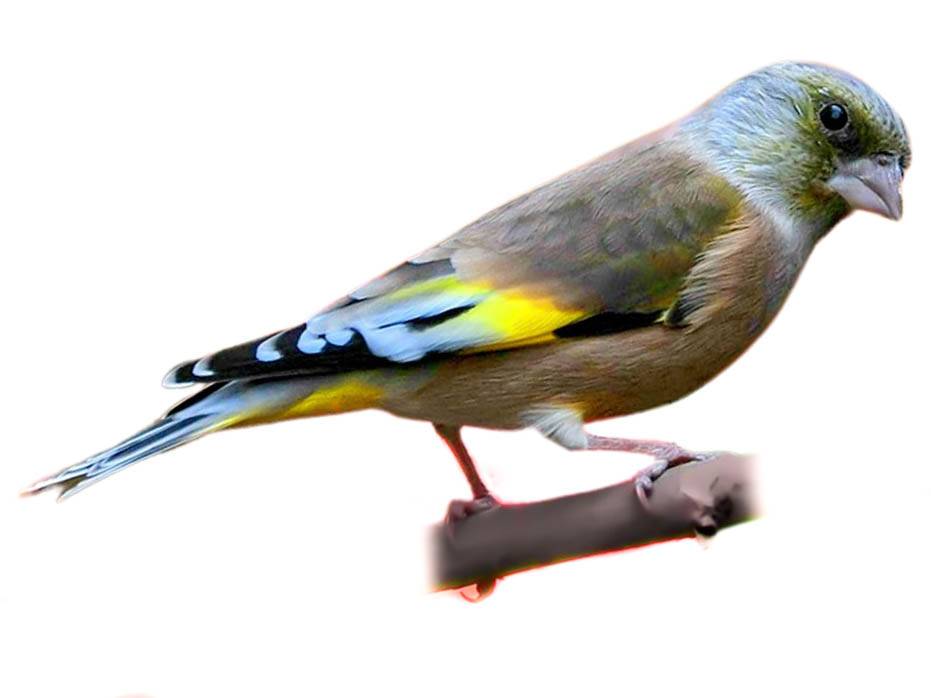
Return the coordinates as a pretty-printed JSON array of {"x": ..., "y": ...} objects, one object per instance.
[
  {"x": 460, "y": 509},
  {"x": 643, "y": 484},
  {"x": 483, "y": 589},
  {"x": 645, "y": 479}
]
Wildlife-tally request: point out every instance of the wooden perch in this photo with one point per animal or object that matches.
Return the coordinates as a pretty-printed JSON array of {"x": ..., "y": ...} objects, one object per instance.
[{"x": 693, "y": 499}]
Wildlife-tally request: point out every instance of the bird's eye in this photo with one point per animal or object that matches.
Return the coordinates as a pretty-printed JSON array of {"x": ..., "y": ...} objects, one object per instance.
[{"x": 834, "y": 117}]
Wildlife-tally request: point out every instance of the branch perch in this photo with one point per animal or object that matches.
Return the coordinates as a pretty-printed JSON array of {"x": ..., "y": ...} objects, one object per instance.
[{"x": 694, "y": 499}]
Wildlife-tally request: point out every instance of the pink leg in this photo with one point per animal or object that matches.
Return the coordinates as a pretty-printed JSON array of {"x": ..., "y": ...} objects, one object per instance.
[
  {"x": 481, "y": 497},
  {"x": 667, "y": 455},
  {"x": 664, "y": 450}
]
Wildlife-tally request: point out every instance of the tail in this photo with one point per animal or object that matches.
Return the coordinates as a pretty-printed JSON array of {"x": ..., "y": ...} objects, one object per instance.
[
  {"x": 211, "y": 409},
  {"x": 167, "y": 433},
  {"x": 219, "y": 406}
]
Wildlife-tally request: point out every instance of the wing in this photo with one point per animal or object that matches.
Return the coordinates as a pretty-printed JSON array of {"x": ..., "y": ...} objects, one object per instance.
[{"x": 601, "y": 249}]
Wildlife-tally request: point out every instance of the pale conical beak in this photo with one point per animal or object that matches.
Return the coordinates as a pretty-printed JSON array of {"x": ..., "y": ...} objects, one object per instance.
[{"x": 870, "y": 184}]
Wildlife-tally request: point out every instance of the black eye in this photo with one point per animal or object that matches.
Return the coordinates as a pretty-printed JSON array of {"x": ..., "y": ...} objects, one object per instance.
[{"x": 834, "y": 117}]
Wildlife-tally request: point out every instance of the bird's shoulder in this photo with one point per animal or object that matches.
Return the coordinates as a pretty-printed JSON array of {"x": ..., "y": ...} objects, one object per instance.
[{"x": 644, "y": 193}]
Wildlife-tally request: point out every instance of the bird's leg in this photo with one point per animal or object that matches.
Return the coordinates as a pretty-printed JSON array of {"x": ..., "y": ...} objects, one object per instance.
[
  {"x": 667, "y": 454},
  {"x": 481, "y": 497}
]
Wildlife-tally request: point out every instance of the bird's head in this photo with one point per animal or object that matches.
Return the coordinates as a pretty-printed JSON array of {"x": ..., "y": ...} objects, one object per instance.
[{"x": 810, "y": 140}]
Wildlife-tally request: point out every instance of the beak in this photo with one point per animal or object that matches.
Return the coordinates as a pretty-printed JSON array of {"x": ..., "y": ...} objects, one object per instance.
[{"x": 870, "y": 184}]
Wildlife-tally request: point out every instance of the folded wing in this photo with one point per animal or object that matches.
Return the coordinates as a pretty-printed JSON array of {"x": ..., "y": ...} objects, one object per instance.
[{"x": 601, "y": 249}]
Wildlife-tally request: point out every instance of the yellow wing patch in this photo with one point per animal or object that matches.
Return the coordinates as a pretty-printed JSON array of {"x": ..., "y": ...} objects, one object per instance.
[
  {"x": 490, "y": 318},
  {"x": 518, "y": 319}
]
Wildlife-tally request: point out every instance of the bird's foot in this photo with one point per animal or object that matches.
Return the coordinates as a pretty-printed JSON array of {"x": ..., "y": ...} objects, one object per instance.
[
  {"x": 667, "y": 458},
  {"x": 460, "y": 509}
]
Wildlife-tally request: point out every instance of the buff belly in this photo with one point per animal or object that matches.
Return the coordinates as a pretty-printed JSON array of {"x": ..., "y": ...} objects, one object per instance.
[{"x": 599, "y": 377}]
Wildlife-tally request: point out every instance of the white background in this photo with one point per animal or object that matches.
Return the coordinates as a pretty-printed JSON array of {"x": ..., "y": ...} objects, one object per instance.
[{"x": 178, "y": 177}]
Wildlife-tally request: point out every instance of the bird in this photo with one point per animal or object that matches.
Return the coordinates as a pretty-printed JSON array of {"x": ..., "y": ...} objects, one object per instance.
[{"x": 624, "y": 284}]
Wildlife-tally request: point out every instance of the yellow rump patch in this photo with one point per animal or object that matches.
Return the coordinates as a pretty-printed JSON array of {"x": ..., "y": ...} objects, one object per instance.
[{"x": 345, "y": 396}]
